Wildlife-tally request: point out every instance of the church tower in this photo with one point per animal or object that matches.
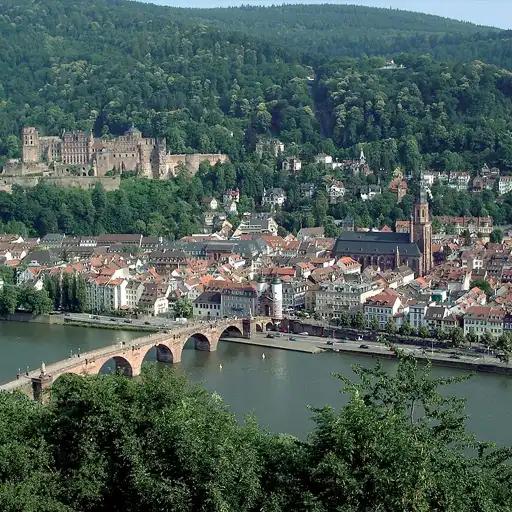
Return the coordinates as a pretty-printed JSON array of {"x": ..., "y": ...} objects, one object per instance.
[{"x": 422, "y": 231}]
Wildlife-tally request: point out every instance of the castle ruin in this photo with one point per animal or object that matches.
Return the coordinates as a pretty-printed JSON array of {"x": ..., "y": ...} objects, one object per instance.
[{"x": 79, "y": 153}]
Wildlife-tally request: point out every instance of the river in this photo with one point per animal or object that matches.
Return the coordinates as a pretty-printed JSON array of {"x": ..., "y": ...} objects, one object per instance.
[{"x": 277, "y": 389}]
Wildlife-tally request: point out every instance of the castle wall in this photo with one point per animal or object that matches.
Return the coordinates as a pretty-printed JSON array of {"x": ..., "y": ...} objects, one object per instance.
[
  {"x": 192, "y": 161},
  {"x": 109, "y": 183}
]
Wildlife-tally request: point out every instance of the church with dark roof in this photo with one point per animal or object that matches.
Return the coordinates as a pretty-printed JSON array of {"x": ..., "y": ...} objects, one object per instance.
[{"x": 391, "y": 250}]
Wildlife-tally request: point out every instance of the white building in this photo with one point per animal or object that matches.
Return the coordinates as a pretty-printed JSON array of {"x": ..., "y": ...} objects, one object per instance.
[
  {"x": 294, "y": 294},
  {"x": 459, "y": 180},
  {"x": 291, "y": 164},
  {"x": 260, "y": 223},
  {"x": 417, "y": 314},
  {"x": 324, "y": 159},
  {"x": 134, "y": 290},
  {"x": 334, "y": 298},
  {"x": 504, "y": 185},
  {"x": 480, "y": 320},
  {"x": 274, "y": 197},
  {"x": 336, "y": 191},
  {"x": 382, "y": 307},
  {"x": 105, "y": 294}
]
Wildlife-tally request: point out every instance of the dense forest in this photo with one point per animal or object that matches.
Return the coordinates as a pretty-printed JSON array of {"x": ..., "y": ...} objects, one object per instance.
[
  {"x": 217, "y": 80},
  {"x": 355, "y": 31},
  {"x": 158, "y": 443},
  {"x": 213, "y": 80}
]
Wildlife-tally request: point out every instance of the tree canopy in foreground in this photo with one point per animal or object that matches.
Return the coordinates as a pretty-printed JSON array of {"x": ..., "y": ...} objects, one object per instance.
[{"x": 159, "y": 443}]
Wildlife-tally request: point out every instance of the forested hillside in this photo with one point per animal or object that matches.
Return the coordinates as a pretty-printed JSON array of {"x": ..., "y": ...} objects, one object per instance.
[
  {"x": 217, "y": 80},
  {"x": 348, "y": 30},
  {"x": 428, "y": 114},
  {"x": 106, "y": 64}
]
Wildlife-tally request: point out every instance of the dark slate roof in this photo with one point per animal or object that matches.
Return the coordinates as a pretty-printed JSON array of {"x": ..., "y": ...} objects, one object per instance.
[
  {"x": 352, "y": 242},
  {"x": 208, "y": 298}
]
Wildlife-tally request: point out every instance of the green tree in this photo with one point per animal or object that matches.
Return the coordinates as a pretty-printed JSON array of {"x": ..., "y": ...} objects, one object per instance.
[
  {"x": 53, "y": 288},
  {"x": 496, "y": 236},
  {"x": 456, "y": 337},
  {"x": 358, "y": 321},
  {"x": 6, "y": 274},
  {"x": 374, "y": 324},
  {"x": 423, "y": 332},
  {"x": 483, "y": 285},
  {"x": 8, "y": 300},
  {"x": 390, "y": 327},
  {"x": 405, "y": 329},
  {"x": 36, "y": 302},
  {"x": 183, "y": 308}
]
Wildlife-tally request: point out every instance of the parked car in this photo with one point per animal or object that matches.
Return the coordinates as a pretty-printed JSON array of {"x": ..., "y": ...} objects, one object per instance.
[
  {"x": 127, "y": 321},
  {"x": 330, "y": 342},
  {"x": 147, "y": 323},
  {"x": 270, "y": 336},
  {"x": 95, "y": 317},
  {"x": 454, "y": 356},
  {"x": 292, "y": 338},
  {"x": 304, "y": 333},
  {"x": 364, "y": 346},
  {"x": 113, "y": 320}
]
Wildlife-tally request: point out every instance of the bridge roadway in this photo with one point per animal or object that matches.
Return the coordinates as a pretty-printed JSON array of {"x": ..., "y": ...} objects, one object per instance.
[{"x": 128, "y": 357}]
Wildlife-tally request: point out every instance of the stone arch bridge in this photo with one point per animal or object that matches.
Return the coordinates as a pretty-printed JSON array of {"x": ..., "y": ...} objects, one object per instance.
[{"x": 128, "y": 357}]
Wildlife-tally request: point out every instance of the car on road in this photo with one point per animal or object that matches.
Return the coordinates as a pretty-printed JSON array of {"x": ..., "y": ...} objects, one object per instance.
[
  {"x": 364, "y": 346},
  {"x": 270, "y": 335},
  {"x": 127, "y": 321},
  {"x": 113, "y": 319},
  {"x": 95, "y": 317},
  {"x": 304, "y": 333},
  {"x": 454, "y": 356},
  {"x": 147, "y": 323},
  {"x": 292, "y": 338},
  {"x": 330, "y": 342}
]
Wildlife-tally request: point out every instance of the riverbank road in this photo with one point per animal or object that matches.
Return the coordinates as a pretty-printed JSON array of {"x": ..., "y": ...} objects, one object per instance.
[
  {"x": 444, "y": 357},
  {"x": 145, "y": 324},
  {"x": 291, "y": 342}
]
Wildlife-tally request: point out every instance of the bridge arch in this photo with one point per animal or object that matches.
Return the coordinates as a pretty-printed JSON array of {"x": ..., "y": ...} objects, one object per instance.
[
  {"x": 161, "y": 353},
  {"x": 121, "y": 365},
  {"x": 232, "y": 331},
  {"x": 201, "y": 342}
]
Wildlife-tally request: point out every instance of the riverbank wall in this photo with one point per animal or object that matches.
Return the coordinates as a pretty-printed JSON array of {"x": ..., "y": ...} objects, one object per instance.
[
  {"x": 63, "y": 320},
  {"x": 35, "y": 319},
  {"x": 435, "y": 360},
  {"x": 294, "y": 346}
]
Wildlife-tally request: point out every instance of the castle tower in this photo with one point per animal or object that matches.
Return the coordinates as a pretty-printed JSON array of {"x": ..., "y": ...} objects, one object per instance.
[
  {"x": 31, "y": 150},
  {"x": 422, "y": 231},
  {"x": 159, "y": 160},
  {"x": 277, "y": 296},
  {"x": 261, "y": 285}
]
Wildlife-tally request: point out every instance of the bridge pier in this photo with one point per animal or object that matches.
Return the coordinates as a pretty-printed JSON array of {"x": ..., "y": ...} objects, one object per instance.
[{"x": 39, "y": 385}]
